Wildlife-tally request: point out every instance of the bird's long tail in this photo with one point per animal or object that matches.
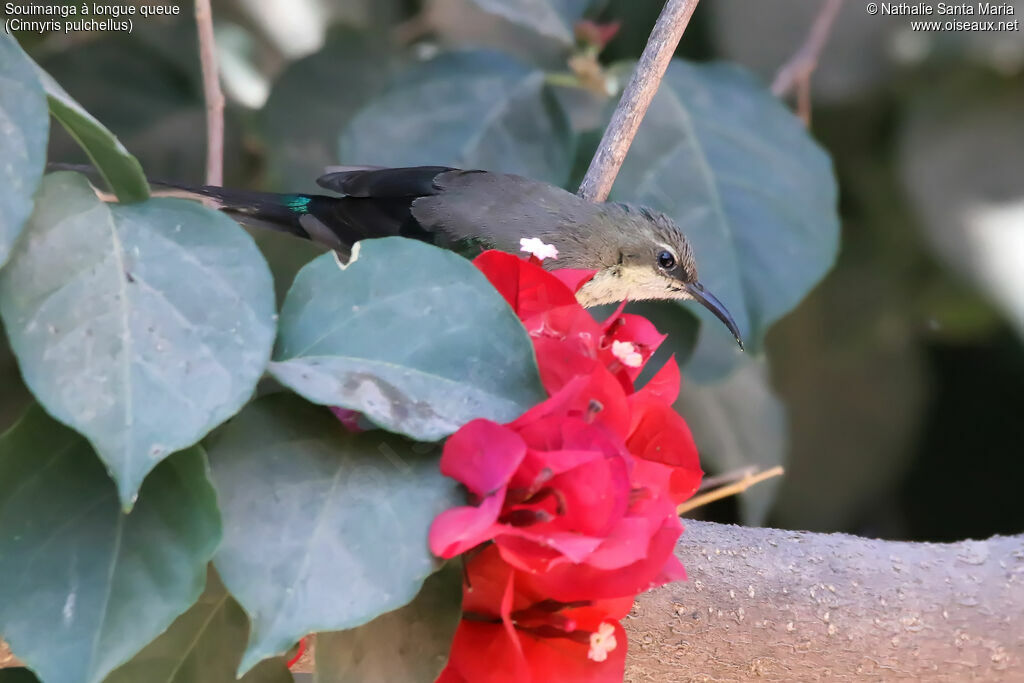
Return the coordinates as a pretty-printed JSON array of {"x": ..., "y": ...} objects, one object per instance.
[
  {"x": 302, "y": 215},
  {"x": 276, "y": 211}
]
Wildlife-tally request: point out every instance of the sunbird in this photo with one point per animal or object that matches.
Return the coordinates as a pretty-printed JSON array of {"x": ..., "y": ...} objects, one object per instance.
[{"x": 638, "y": 253}]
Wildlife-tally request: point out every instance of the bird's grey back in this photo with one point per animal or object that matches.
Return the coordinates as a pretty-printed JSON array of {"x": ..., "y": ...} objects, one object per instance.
[{"x": 502, "y": 209}]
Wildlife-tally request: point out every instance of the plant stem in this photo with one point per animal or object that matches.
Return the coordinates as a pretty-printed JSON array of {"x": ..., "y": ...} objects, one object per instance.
[
  {"x": 212, "y": 92},
  {"x": 730, "y": 490},
  {"x": 639, "y": 92},
  {"x": 796, "y": 73}
]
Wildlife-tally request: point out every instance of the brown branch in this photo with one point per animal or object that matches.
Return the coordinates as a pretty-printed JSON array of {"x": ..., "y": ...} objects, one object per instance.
[
  {"x": 635, "y": 99},
  {"x": 796, "y": 73},
  {"x": 797, "y": 606},
  {"x": 730, "y": 490},
  {"x": 212, "y": 92}
]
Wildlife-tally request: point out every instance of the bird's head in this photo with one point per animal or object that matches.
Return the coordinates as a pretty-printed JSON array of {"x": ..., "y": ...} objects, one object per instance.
[{"x": 646, "y": 256}]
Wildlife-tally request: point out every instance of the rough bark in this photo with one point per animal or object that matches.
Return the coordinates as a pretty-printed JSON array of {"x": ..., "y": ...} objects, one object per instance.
[{"x": 796, "y": 606}]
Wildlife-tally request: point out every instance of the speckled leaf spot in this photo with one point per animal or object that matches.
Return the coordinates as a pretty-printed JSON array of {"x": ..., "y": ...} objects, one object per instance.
[{"x": 411, "y": 335}]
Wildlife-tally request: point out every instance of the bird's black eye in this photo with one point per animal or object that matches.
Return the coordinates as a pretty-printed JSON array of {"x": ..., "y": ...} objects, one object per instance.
[{"x": 666, "y": 260}]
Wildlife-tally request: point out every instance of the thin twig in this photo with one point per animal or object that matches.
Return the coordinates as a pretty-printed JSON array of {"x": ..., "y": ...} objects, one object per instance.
[
  {"x": 213, "y": 94},
  {"x": 729, "y": 477},
  {"x": 796, "y": 73},
  {"x": 639, "y": 92},
  {"x": 730, "y": 490}
]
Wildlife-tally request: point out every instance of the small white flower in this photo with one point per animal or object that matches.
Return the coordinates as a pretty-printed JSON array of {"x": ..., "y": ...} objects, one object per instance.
[
  {"x": 627, "y": 353},
  {"x": 602, "y": 642},
  {"x": 534, "y": 245}
]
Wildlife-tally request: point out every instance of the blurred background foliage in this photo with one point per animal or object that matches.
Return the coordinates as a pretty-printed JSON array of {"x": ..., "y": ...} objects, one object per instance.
[{"x": 893, "y": 394}]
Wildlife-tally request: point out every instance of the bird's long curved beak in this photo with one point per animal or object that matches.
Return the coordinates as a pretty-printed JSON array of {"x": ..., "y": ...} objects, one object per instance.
[{"x": 708, "y": 301}]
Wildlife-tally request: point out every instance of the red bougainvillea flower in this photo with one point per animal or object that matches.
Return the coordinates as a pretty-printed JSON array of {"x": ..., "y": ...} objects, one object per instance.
[
  {"x": 512, "y": 631},
  {"x": 568, "y": 339},
  {"x": 558, "y": 488},
  {"x": 582, "y": 487},
  {"x": 569, "y": 343}
]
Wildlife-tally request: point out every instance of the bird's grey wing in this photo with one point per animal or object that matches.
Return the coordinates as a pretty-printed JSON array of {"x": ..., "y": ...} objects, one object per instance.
[
  {"x": 501, "y": 209},
  {"x": 376, "y": 201},
  {"x": 370, "y": 182}
]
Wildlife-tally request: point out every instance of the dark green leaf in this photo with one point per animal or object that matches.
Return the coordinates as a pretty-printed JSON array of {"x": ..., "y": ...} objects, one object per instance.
[
  {"x": 751, "y": 189},
  {"x": 324, "y": 530},
  {"x": 411, "y": 335},
  {"x": 203, "y": 645},
  {"x": 14, "y": 399},
  {"x": 552, "y": 18},
  {"x": 410, "y": 644},
  {"x": 313, "y": 100},
  {"x": 18, "y": 675},
  {"x": 475, "y": 109},
  {"x": 738, "y": 423},
  {"x": 119, "y": 169},
  {"x": 25, "y": 127},
  {"x": 142, "y": 326},
  {"x": 84, "y": 586}
]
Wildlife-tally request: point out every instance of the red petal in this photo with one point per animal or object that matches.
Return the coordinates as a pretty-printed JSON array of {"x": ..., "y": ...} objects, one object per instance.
[
  {"x": 573, "y": 278},
  {"x": 485, "y": 653},
  {"x": 349, "y": 419},
  {"x": 661, "y": 434},
  {"x": 596, "y": 398},
  {"x": 568, "y": 583},
  {"x": 635, "y": 329},
  {"x": 456, "y": 530},
  {"x": 488, "y": 577},
  {"x": 483, "y": 455},
  {"x": 565, "y": 660},
  {"x": 680, "y": 483},
  {"x": 626, "y": 544},
  {"x": 664, "y": 386},
  {"x": 533, "y": 552},
  {"x": 595, "y": 496},
  {"x": 527, "y": 287}
]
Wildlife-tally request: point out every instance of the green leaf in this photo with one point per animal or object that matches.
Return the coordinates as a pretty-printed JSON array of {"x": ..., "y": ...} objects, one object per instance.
[
  {"x": 552, "y": 18},
  {"x": 324, "y": 530},
  {"x": 15, "y": 398},
  {"x": 18, "y": 675},
  {"x": 119, "y": 169},
  {"x": 411, "y": 335},
  {"x": 84, "y": 586},
  {"x": 410, "y": 644},
  {"x": 141, "y": 326},
  {"x": 751, "y": 189},
  {"x": 739, "y": 422},
  {"x": 302, "y": 130},
  {"x": 26, "y": 128},
  {"x": 474, "y": 109},
  {"x": 203, "y": 645}
]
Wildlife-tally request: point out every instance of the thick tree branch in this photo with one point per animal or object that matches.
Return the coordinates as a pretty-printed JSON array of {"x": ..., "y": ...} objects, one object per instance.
[
  {"x": 212, "y": 92},
  {"x": 798, "y": 606},
  {"x": 787, "y": 605},
  {"x": 796, "y": 73},
  {"x": 635, "y": 99}
]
